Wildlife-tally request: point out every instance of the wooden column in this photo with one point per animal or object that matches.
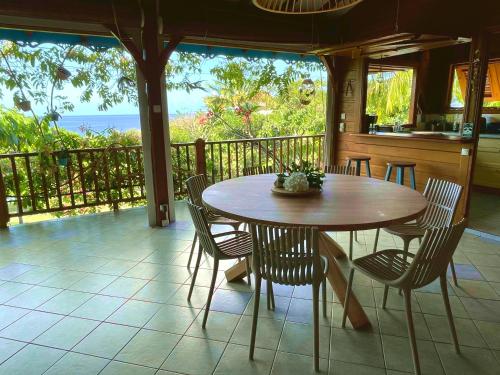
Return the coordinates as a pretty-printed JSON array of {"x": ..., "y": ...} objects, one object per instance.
[
  {"x": 331, "y": 128},
  {"x": 473, "y": 108},
  {"x": 151, "y": 58},
  {"x": 201, "y": 161},
  {"x": 4, "y": 209}
]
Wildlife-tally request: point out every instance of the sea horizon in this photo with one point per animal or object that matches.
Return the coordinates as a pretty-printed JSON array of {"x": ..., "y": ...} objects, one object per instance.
[{"x": 100, "y": 123}]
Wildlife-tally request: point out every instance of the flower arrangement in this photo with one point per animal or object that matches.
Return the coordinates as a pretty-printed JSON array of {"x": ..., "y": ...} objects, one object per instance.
[{"x": 300, "y": 177}]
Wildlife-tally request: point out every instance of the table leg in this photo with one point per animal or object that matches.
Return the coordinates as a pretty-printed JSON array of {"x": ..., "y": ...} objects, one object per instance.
[{"x": 331, "y": 250}]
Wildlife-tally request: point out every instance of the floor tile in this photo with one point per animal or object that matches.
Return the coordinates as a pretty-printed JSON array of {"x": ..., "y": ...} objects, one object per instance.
[
  {"x": 37, "y": 275},
  {"x": 31, "y": 360},
  {"x": 134, "y": 313},
  {"x": 482, "y": 309},
  {"x": 93, "y": 283},
  {"x": 431, "y": 303},
  {"x": 157, "y": 291},
  {"x": 467, "y": 332},
  {"x": 9, "y": 290},
  {"x": 398, "y": 355},
  {"x": 66, "y": 333},
  {"x": 289, "y": 363},
  {"x": 235, "y": 360},
  {"x": 194, "y": 356},
  {"x": 30, "y": 326},
  {"x": 268, "y": 332},
  {"x": 230, "y": 301},
  {"x": 393, "y": 322},
  {"x": 77, "y": 364},
  {"x": 475, "y": 289},
  {"x": 64, "y": 279},
  {"x": 116, "y": 267},
  {"x": 99, "y": 307},
  {"x": 467, "y": 271},
  {"x": 106, "y": 340},
  {"x": 173, "y": 319},
  {"x": 356, "y": 347},
  {"x": 220, "y": 326},
  {"x": 10, "y": 314},
  {"x": 198, "y": 298},
  {"x": 299, "y": 338},
  {"x": 124, "y": 287},
  {"x": 34, "y": 297},
  {"x": 120, "y": 368},
  {"x": 490, "y": 332},
  {"x": 490, "y": 273},
  {"x": 13, "y": 270},
  {"x": 346, "y": 368},
  {"x": 281, "y": 305},
  {"x": 9, "y": 348},
  {"x": 469, "y": 361},
  {"x": 173, "y": 274},
  {"x": 148, "y": 348},
  {"x": 65, "y": 302}
]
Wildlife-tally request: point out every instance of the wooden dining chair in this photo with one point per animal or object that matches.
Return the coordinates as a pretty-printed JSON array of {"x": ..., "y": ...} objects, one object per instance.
[
  {"x": 391, "y": 268},
  {"x": 227, "y": 245},
  {"x": 259, "y": 169},
  {"x": 195, "y": 186},
  {"x": 443, "y": 197},
  {"x": 288, "y": 256},
  {"x": 351, "y": 171}
]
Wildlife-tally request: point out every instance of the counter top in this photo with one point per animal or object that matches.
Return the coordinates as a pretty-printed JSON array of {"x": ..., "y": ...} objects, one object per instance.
[{"x": 437, "y": 137}]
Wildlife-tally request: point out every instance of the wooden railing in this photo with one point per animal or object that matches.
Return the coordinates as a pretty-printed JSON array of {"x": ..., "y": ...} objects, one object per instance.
[{"x": 34, "y": 183}]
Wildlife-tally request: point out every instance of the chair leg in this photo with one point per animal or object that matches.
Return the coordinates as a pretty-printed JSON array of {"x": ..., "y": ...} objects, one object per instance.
[
  {"x": 411, "y": 330},
  {"x": 453, "y": 273},
  {"x": 315, "y": 296},
  {"x": 444, "y": 292},
  {"x": 356, "y": 235},
  {"x": 210, "y": 292},
  {"x": 406, "y": 247},
  {"x": 249, "y": 271},
  {"x": 195, "y": 272},
  {"x": 255, "y": 315},
  {"x": 192, "y": 249},
  {"x": 384, "y": 300},
  {"x": 350, "y": 245},
  {"x": 377, "y": 233},
  {"x": 325, "y": 302},
  {"x": 270, "y": 295},
  {"x": 347, "y": 296}
]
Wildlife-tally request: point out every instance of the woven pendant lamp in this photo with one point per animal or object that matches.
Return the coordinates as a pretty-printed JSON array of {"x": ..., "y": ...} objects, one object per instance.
[{"x": 304, "y": 6}]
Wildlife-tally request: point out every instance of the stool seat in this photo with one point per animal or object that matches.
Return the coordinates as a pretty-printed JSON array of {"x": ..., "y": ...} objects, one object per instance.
[
  {"x": 400, "y": 163},
  {"x": 358, "y": 157}
]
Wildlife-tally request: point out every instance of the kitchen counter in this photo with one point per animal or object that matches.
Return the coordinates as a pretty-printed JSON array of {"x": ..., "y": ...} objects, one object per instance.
[{"x": 430, "y": 136}]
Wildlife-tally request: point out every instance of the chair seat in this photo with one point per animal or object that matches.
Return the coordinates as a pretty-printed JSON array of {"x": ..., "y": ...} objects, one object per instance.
[
  {"x": 324, "y": 263},
  {"x": 400, "y": 163},
  {"x": 221, "y": 220},
  {"x": 240, "y": 245},
  {"x": 358, "y": 157},
  {"x": 406, "y": 229},
  {"x": 385, "y": 265}
]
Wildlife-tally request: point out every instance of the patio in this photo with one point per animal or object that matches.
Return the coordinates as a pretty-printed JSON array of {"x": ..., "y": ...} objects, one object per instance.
[{"x": 107, "y": 294}]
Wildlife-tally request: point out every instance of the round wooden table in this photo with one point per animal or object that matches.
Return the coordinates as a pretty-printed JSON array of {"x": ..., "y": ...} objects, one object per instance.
[{"x": 347, "y": 203}]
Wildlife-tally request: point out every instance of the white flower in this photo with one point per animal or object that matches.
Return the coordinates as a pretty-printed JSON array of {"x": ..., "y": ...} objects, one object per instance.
[{"x": 297, "y": 181}]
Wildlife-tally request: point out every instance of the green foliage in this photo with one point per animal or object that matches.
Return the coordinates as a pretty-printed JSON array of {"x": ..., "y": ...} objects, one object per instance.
[
  {"x": 389, "y": 96},
  {"x": 314, "y": 175}
]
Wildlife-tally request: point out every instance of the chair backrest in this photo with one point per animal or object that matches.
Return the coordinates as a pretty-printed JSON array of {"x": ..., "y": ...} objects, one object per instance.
[
  {"x": 259, "y": 169},
  {"x": 202, "y": 229},
  {"x": 195, "y": 186},
  {"x": 287, "y": 256},
  {"x": 442, "y": 197},
  {"x": 340, "y": 169},
  {"x": 433, "y": 255}
]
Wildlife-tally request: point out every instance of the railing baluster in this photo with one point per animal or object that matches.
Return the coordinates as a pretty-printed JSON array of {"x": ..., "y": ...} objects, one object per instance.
[
  {"x": 15, "y": 177},
  {"x": 106, "y": 177},
  {"x": 57, "y": 181},
  {"x": 70, "y": 180},
  {"x": 221, "y": 169},
  {"x": 94, "y": 176},
  {"x": 118, "y": 176},
  {"x": 229, "y": 158},
  {"x": 30, "y": 182},
  {"x": 140, "y": 165},
  {"x": 236, "y": 146},
  {"x": 129, "y": 174},
  {"x": 244, "y": 155},
  {"x": 82, "y": 177}
]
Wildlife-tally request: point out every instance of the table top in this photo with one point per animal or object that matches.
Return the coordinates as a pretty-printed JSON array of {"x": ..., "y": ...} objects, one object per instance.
[{"x": 346, "y": 203}]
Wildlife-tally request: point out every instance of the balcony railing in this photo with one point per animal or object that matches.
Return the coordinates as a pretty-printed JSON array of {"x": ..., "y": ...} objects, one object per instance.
[{"x": 35, "y": 183}]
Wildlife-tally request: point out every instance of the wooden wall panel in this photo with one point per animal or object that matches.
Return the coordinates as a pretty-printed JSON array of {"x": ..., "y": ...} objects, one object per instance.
[
  {"x": 487, "y": 170},
  {"x": 434, "y": 158}
]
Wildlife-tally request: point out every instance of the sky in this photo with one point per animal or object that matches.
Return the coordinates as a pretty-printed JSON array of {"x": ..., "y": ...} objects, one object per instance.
[{"x": 179, "y": 101}]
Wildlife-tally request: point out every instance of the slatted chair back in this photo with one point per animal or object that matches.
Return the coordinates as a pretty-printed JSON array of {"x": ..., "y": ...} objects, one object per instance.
[
  {"x": 203, "y": 229},
  {"x": 195, "y": 186},
  {"x": 287, "y": 256},
  {"x": 434, "y": 255},
  {"x": 442, "y": 197},
  {"x": 340, "y": 169},
  {"x": 255, "y": 170}
]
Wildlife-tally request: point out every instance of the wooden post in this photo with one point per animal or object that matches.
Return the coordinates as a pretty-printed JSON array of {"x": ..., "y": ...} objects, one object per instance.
[
  {"x": 201, "y": 162},
  {"x": 473, "y": 108},
  {"x": 331, "y": 128},
  {"x": 4, "y": 209}
]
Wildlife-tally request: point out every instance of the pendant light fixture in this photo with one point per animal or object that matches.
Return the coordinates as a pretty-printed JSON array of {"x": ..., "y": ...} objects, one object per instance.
[{"x": 304, "y": 6}]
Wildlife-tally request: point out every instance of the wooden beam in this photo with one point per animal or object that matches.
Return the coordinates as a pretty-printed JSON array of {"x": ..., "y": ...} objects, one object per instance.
[{"x": 168, "y": 50}]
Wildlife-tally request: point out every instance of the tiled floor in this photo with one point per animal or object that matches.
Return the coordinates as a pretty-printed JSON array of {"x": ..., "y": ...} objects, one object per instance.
[
  {"x": 485, "y": 212},
  {"x": 106, "y": 294}
]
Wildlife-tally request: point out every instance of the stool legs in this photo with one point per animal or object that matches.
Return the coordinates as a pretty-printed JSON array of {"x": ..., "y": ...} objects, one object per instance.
[
  {"x": 412, "y": 179},
  {"x": 368, "y": 171},
  {"x": 400, "y": 175},
  {"x": 388, "y": 173}
]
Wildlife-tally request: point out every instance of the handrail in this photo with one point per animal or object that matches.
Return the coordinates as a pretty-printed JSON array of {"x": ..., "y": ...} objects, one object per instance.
[{"x": 34, "y": 183}]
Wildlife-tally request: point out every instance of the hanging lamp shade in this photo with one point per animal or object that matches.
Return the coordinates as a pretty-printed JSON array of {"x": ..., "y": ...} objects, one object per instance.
[{"x": 304, "y": 6}]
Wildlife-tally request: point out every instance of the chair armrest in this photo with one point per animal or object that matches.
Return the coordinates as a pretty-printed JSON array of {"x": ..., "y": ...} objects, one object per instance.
[{"x": 233, "y": 232}]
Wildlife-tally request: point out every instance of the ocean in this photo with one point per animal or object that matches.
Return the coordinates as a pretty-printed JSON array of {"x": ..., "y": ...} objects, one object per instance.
[{"x": 102, "y": 122}]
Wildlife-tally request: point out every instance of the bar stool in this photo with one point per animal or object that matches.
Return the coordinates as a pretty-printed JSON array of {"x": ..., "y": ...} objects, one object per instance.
[
  {"x": 400, "y": 172},
  {"x": 358, "y": 159}
]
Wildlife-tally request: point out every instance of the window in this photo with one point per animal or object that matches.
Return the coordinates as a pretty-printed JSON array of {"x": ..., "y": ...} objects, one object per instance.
[
  {"x": 491, "y": 90},
  {"x": 389, "y": 94}
]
